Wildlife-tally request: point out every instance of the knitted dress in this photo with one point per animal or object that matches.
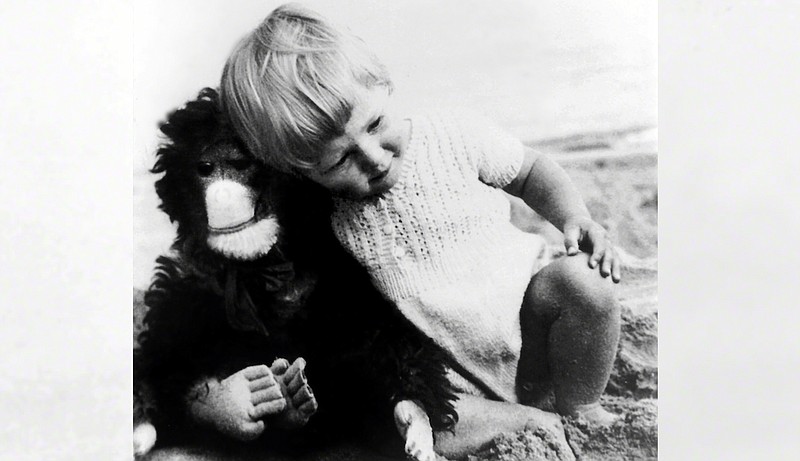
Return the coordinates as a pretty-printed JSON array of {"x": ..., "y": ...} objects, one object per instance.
[{"x": 441, "y": 246}]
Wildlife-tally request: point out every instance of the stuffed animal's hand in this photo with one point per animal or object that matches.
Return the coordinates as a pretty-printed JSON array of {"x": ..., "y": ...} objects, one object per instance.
[
  {"x": 414, "y": 426},
  {"x": 300, "y": 401},
  {"x": 237, "y": 404}
]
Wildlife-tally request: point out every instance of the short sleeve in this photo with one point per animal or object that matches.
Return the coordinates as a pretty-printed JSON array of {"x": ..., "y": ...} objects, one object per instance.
[{"x": 495, "y": 153}]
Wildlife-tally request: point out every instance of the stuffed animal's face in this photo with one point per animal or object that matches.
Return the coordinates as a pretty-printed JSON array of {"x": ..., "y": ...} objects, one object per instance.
[{"x": 219, "y": 196}]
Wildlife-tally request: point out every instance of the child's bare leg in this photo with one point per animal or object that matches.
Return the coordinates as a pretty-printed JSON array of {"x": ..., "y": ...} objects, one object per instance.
[
  {"x": 236, "y": 405},
  {"x": 480, "y": 421},
  {"x": 570, "y": 320},
  {"x": 300, "y": 401},
  {"x": 415, "y": 427}
]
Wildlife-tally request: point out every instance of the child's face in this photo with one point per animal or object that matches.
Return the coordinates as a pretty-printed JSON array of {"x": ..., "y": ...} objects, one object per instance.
[{"x": 368, "y": 158}]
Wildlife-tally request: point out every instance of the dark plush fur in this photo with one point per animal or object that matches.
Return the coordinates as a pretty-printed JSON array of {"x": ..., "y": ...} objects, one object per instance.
[{"x": 362, "y": 355}]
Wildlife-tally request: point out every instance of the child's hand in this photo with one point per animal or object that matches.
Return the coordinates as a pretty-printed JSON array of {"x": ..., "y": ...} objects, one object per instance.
[
  {"x": 583, "y": 233},
  {"x": 300, "y": 401},
  {"x": 236, "y": 405}
]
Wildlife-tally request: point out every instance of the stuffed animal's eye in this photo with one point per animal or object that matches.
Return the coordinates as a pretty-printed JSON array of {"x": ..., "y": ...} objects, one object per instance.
[
  {"x": 240, "y": 163},
  {"x": 205, "y": 168}
]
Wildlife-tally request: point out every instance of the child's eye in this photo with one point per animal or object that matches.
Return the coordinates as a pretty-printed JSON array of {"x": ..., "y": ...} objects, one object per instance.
[
  {"x": 375, "y": 124},
  {"x": 340, "y": 163}
]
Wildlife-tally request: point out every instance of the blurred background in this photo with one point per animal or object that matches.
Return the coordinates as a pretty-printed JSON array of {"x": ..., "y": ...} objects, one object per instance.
[{"x": 577, "y": 78}]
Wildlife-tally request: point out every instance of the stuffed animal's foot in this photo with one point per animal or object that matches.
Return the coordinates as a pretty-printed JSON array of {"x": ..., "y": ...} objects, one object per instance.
[
  {"x": 300, "y": 401},
  {"x": 144, "y": 437},
  {"x": 237, "y": 404},
  {"x": 413, "y": 424}
]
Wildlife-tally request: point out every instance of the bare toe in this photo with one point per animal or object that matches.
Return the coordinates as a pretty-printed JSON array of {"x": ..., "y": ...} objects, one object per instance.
[{"x": 595, "y": 414}]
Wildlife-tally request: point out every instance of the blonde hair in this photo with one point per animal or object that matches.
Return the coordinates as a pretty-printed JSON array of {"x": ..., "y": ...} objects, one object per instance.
[{"x": 289, "y": 85}]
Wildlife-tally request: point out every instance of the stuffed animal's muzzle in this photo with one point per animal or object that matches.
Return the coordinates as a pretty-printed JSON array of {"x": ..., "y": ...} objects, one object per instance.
[{"x": 234, "y": 228}]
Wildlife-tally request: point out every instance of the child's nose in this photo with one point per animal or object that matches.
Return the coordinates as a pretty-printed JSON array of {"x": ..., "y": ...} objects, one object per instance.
[{"x": 376, "y": 159}]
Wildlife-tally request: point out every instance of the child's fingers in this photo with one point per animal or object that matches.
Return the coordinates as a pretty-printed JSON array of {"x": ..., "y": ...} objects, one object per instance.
[
  {"x": 256, "y": 371},
  {"x": 279, "y": 366},
  {"x": 616, "y": 270},
  {"x": 608, "y": 260},
  {"x": 264, "y": 409},
  {"x": 571, "y": 235},
  {"x": 599, "y": 244}
]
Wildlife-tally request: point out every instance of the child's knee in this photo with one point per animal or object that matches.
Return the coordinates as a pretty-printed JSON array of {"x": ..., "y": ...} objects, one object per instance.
[{"x": 584, "y": 287}]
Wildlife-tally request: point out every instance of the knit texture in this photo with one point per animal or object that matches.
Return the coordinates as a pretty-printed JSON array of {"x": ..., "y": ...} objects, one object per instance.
[{"x": 441, "y": 246}]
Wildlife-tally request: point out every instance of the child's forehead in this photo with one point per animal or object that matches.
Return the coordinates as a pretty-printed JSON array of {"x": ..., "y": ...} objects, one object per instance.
[{"x": 365, "y": 104}]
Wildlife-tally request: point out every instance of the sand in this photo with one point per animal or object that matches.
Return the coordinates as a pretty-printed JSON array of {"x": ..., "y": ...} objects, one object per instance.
[{"x": 617, "y": 174}]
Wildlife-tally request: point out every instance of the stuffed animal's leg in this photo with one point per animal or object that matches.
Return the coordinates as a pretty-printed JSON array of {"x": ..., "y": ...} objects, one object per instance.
[{"x": 413, "y": 424}]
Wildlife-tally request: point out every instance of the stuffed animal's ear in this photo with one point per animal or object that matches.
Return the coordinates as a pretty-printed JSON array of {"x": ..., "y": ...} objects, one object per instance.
[{"x": 197, "y": 117}]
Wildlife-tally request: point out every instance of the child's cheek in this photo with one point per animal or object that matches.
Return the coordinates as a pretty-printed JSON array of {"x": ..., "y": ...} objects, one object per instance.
[{"x": 330, "y": 184}]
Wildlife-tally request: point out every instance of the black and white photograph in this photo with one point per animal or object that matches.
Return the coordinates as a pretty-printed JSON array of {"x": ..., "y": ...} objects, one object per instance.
[
  {"x": 421, "y": 230},
  {"x": 374, "y": 230}
]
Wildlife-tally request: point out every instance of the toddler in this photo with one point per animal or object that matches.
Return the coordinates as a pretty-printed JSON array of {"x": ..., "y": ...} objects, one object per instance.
[{"x": 419, "y": 202}]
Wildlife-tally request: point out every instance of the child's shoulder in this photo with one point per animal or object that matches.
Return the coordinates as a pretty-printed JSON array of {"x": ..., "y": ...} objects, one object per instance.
[
  {"x": 461, "y": 126},
  {"x": 469, "y": 129}
]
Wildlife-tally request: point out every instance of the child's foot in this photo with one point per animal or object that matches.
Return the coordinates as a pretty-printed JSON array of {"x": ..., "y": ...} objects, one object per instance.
[
  {"x": 300, "y": 401},
  {"x": 414, "y": 426},
  {"x": 634, "y": 435},
  {"x": 237, "y": 404},
  {"x": 594, "y": 414}
]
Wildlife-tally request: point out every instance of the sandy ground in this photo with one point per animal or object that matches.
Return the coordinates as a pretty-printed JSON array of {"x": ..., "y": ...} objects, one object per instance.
[{"x": 617, "y": 175}]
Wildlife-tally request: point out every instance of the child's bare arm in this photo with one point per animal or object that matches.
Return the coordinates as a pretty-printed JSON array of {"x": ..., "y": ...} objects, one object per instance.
[
  {"x": 236, "y": 405},
  {"x": 546, "y": 188}
]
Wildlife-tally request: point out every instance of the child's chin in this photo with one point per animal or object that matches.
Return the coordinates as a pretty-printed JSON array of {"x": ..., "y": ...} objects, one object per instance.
[{"x": 381, "y": 187}]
